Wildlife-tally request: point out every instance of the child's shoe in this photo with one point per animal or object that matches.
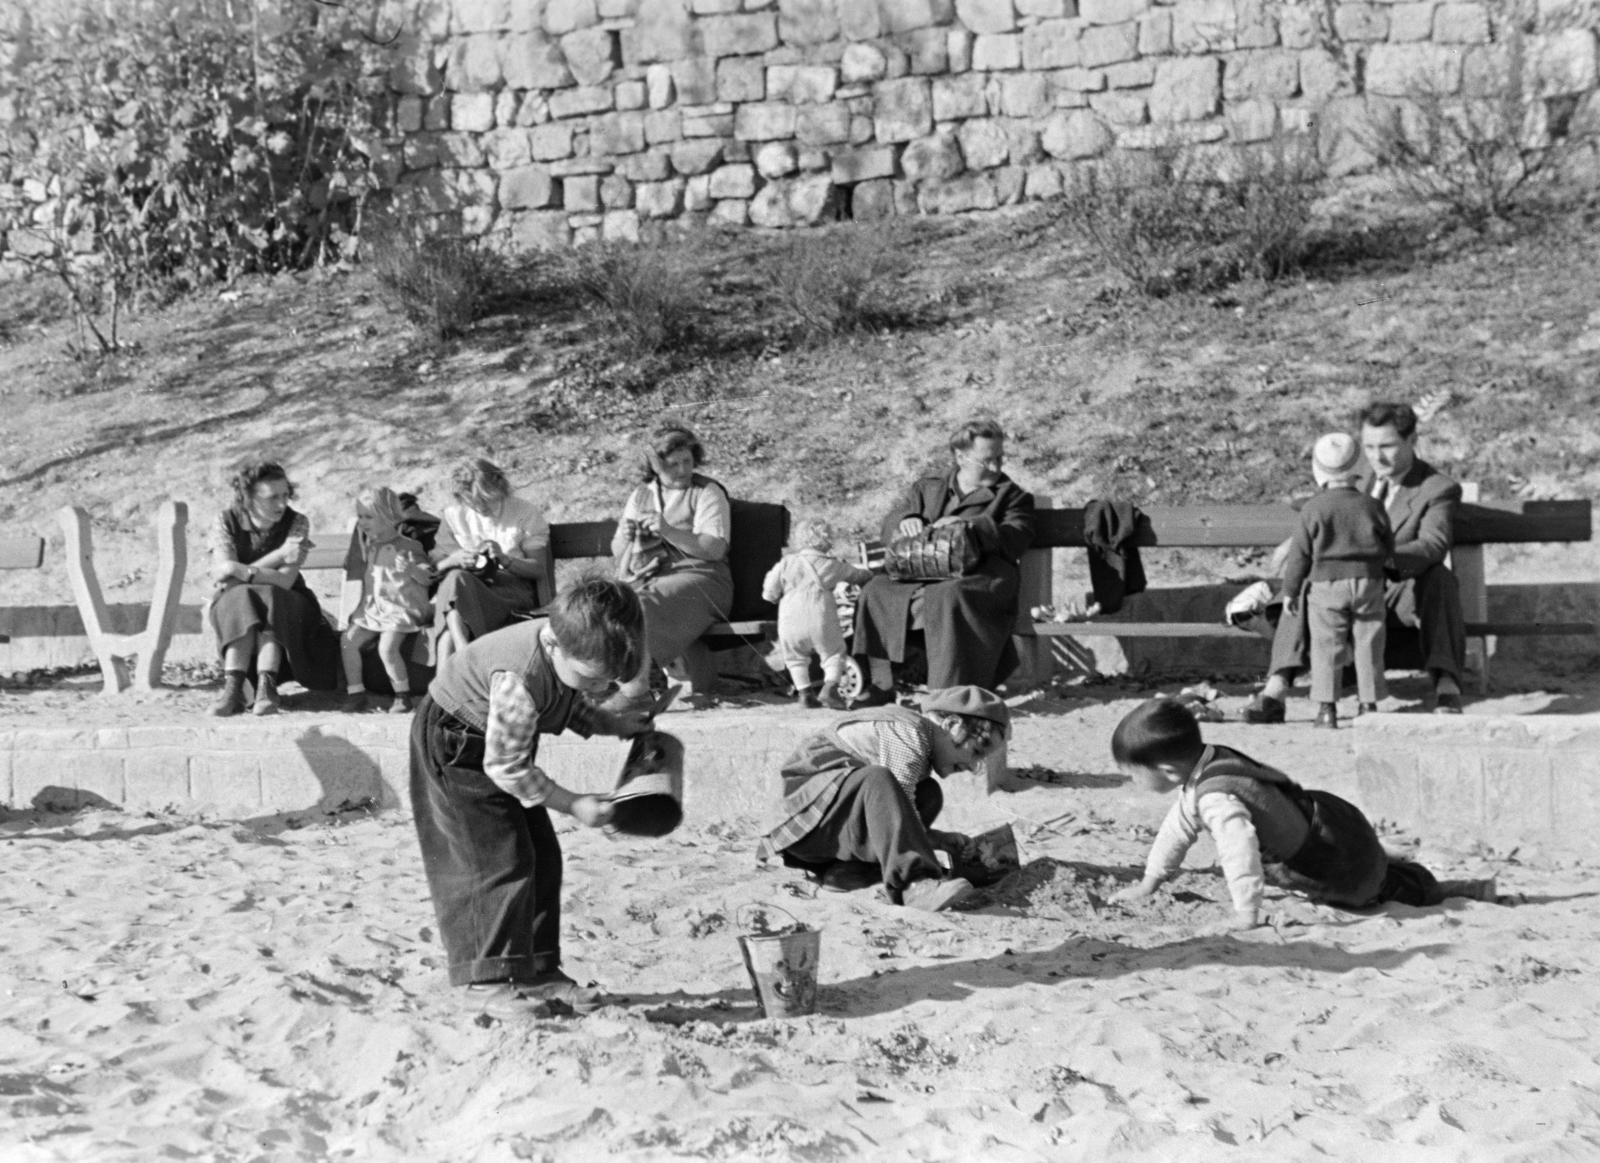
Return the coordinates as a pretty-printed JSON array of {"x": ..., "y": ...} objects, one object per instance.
[
  {"x": 1327, "y": 716},
  {"x": 1477, "y": 890},
  {"x": 830, "y": 696},
  {"x": 266, "y": 695},
  {"x": 849, "y": 876},
  {"x": 806, "y": 698},
  {"x": 403, "y": 704},
  {"x": 1367, "y": 709},
  {"x": 357, "y": 702},
  {"x": 231, "y": 700}
]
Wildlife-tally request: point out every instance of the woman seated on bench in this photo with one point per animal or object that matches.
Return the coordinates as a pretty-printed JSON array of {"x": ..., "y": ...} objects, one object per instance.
[
  {"x": 671, "y": 546},
  {"x": 490, "y": 551},
  {"x": 967, "y": 621},
  {"x": 268, "y": 622}
]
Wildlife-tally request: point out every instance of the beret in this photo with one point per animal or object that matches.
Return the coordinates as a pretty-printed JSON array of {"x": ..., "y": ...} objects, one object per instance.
[{"x": 969, "y": 700}]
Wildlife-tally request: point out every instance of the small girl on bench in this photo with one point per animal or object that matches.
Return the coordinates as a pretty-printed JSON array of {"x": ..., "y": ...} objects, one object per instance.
[
  {"x": 394, "y": 600},
  {"x": 1267, "y": 828}
]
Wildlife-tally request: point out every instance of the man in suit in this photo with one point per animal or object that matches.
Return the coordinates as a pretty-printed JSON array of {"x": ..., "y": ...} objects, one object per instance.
[
  {"x": 967, "y": 621},
  {"x": 1420, "y": 590}
]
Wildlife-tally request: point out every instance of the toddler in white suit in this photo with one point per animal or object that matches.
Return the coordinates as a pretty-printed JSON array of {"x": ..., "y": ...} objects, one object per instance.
[{"x": 802, "y": 584}]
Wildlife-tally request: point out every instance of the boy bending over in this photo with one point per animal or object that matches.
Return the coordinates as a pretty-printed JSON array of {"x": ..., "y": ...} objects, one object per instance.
[
  {"x": 481, "y": 805},
  {"x": 1267, "y": 828}
]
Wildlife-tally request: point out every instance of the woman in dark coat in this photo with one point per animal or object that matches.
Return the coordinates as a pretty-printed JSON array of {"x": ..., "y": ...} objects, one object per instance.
[
  {"x": 268, "y": 623},
  {"x": 967, "y": 622}
]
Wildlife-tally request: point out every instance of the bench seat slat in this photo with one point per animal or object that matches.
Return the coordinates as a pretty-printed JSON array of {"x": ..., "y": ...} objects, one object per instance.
[
  {"x": 21, "y": 552},
  {"x": 1219, "y": 630}
]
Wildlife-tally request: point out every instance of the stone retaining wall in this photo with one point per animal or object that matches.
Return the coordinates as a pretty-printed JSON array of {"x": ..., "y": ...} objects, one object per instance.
[{"x": 546, "y": 123}]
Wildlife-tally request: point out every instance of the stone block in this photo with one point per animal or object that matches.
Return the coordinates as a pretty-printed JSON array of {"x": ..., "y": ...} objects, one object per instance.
[
  {"x": 709, "y": 125},
  {"x": 227, "y": 779},
  {"x": 1106, "y": 44},
  {"x": 616, "y": 192},
  {"x": 652, "y": 166},
  {"x": 1023, "y": 141},
  {"x": 1155, "y": 33},
  {"x": 548, "y": 143},
  {"x": 617, "y": 134},
  {"x": 770, "y": 208},
  {"x": 700, "y": 156},
  {"x": 738, "y": 36},
  {"x": 932, "y": 159},
  {"x": 1408, "y": 23},
  {"x": 425, "y": 150},
  {"x": 566, "y": 16},
  {"x": 579, "y": 102},
  {"x": 958, "y": 50},
  {"x": 736, "y": 181},
  {"x": 533, "y": 61},
  {"x": 473, "y": 64},
  {"x": 591, "y": 54},
  {"x": 1042, "y": 183},
  {"x": 1252, "y": 120},
  {"x": 1270, "y": 73},
  {"x": 860, "y": 21},
  {"x": 1120, "y": 107},
  {"x": 1171, "y": 135},
  {"x": 413, "y": 69},
  {"x": 1112, "y": 11},
  {"x": 506, "y": 104},
  {"x": 408, "y": 114},
  {"x": 1360, "y": 22},
  {"x": 1130, "y": 75},
  {"x": 1024, "y": 95},
  {"x": 1404, "y": 70},
  {"x": 926, "y": 51},
  {"x": 617, "y": 9},
  {"x": 1008, "y": 184},
  {"x": 1186, "y": 89},
  {"x": 812, "y": 200},
  {"x": 472, "y": 112},
  {"x": 631, "y": 95},
  {"x": 956, "y": 98},
  {"x": 620, "y": 226},
  {"x": 873, "y": 201},
  {"x": 1256, "y": 26},
  {"x": 818, "y": 125},
  {"x": 1074, "y": 134},
  {"x": 1562, "y": 63},
  {"x": 663, "y": 125},
  {"x": 909, "y": 15},
  {"x": 1323, "y": 76},
  {"x": 730, "y": 212},
  {"x": 436, "y": 116},
  {"x": 529, "y": 188},
  {"x": 1046, "y": 9},
  {"x": 739, "y": 79},
  {"x": 694, "y": 80},
  {"x": 777, "y": 159},
  {"x": 998, "y": 52},
  {"x": 659, "y": 87},
  {"x": 1051, "y": 44},
  {"x": 801, "y": 84},
  {"x": 537, "y": 230},
  {"x": 718, "y": 7},
  {"x": 658, "y": 199},
  {"x": 505, "y": 148},
  {"x": 1485, "y": 70},
  {"x": 862, "y": 64},
  {"x": 904, "y": 109},
  {"x": 662, "y": 30},
  {"x": 853, "y": 166},
  {"x": 987, "y": 16},
  {"x": 1204, "y": 26},
  {"x": 984, "y": 143},
  {"x": 534, "y": 110},
  {"x": 808, "y": 22},
  {"x": 581, "y": 193},
  {"x": 958, "y": 195},
  {"x": 697, "y": 194},
  {"x": 1298, "y": 28},
  {"x": 764, "y": 121},
  {"x": 156, "y": 778},
  {"x": 861, "y": 129}
]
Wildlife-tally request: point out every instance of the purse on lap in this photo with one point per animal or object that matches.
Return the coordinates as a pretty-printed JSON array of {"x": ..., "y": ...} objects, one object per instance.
[{"x": 934, "y": 553}]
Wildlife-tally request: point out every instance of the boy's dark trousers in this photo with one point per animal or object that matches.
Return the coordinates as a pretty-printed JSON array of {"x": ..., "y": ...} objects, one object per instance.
[
  {"x": 493, "y": 866},
  {"x": 873, "y": 820}
]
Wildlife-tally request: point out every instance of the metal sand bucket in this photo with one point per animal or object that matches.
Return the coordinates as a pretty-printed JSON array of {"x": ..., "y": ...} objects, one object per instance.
[
  {"x": 648, "y": 798},
  {"x": 782, "y": 964}
]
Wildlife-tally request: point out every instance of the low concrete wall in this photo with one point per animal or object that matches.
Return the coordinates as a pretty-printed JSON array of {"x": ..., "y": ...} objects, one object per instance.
[{"x": 1530, "y": 781}]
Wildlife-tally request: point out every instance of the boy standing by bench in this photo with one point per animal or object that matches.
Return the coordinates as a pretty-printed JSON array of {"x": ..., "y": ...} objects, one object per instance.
[
  {"x": 481, "y": 805},
  {"x": 1334, "y": 572}
]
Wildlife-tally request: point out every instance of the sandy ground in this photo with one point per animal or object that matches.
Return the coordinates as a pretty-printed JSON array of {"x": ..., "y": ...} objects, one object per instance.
[{"x": 272, "y": 989}]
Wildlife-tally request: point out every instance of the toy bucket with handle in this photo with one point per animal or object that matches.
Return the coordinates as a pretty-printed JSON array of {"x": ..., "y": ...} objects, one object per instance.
[
  {"x": 648, "y": 798},
  {"x": 782, "y": 964}
]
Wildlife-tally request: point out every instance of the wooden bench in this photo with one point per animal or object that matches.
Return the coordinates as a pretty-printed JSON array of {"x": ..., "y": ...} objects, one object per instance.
[
  {"x": 1260, "y": 526},
  {"x": 20, "y": 553}
]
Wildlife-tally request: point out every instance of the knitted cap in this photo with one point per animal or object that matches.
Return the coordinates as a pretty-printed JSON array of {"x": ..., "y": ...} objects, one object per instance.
[
  {"x": 1335, "y": 457},
  {"x": 969, "y": 700}
]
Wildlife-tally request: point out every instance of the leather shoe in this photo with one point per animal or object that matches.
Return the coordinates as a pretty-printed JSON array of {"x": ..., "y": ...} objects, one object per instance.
[
  {"x": 1446, "y": 703},
  {"x": 1367, "y": 709},
  {"x": 1327, "y": 716},
  {"x": 505, "y": 1002},
  {"x": 849, "y": 876},
  {"x": 872, "y": 697},
  {"x": 561, "y": 994},
  {"x": 1262, "y": 709}
]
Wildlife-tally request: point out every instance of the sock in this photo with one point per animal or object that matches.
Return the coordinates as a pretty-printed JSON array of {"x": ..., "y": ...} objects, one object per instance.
[
  {"x": 882, "y": 673},
  {"x": 356, "y": 688},
  {"x": 800, "y": 676},
  {"x": 1277, "y": 686},
  {"x": 401, "y": 689}
]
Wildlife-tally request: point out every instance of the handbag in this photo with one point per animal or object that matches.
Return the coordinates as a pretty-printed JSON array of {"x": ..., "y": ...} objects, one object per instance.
[{"x": 934, "y": 553}]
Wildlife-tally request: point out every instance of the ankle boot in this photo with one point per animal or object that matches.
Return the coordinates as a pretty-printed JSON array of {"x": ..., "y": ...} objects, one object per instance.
[
  {"x": 1327, "y": 715},
  {"x": 231, "y": 700},
  {"x": 266, "y": 694}
]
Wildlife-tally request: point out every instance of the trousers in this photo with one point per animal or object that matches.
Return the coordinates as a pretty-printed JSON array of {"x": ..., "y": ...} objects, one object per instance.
[
  {"x": 873, "y": 820},
  {"x": 1347, "y": 610},
  {"x": 493, "y": 866}
]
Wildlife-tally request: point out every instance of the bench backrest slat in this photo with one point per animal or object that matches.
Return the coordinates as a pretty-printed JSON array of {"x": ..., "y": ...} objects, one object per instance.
[
  {"x": 21, "y": 552},
  {"x": 582, "y": 539}
]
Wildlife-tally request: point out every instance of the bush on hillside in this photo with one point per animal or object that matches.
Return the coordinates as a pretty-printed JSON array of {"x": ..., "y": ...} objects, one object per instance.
[
  {"x": 648, "y": 292},
  {"x": 842, "y": 280},
  {"x": 184, "y": 149},
  {"x": 441, "y": 282}
]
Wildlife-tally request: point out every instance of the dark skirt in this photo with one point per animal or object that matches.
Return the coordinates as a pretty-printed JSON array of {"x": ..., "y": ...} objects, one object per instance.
[
  {"x": 484, "y": 606},
  {"x": 310, "y": 645}
]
